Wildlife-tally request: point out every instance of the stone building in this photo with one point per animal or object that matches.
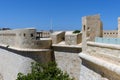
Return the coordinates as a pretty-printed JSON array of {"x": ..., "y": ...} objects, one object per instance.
[{"x": 110, "y": 33}]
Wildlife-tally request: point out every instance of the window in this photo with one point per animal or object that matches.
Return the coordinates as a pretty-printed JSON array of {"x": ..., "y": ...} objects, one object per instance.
[
  {"x": 88, "y": 28},
  {"x": 24, "y": 34},
  {"x": 31, "y": 35},
  {"x": 84, "y": 27}
]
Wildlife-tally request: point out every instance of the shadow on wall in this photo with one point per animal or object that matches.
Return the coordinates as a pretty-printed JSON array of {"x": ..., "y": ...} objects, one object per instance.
[
  {"x": 104, "y": 72},
  {"x": 39, "y": 56},
  {"x": 67, "y": 49}
]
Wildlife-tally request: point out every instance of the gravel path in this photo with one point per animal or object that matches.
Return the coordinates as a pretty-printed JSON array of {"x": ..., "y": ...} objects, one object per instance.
[{"x": 87, "y": 74}]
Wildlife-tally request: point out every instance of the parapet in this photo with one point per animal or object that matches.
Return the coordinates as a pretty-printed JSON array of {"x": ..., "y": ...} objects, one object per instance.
[
  {"x": 57, "y": 37},
  {"x": 73, "y": 38}
]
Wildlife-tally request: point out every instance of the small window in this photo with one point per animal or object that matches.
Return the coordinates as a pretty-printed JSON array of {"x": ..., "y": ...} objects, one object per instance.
[
  {"x": 24, "y": 34},
  {"x": 31, "y": 35},
  {"x": 84, "y": 27},
  {"x": 88, "y": 28}
]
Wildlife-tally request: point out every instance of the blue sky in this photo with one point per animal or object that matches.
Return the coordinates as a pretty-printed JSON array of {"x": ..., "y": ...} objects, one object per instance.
[{"x": 64, "y": 14}]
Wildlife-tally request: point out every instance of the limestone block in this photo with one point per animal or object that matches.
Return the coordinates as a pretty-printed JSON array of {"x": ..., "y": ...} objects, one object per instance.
[
  {"x": 57, "y": 37},
  {"x": 73, "y": 39}
]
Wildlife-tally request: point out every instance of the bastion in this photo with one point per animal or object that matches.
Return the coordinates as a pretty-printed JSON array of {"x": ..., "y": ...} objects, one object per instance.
[{"x": 20, "y": 47}]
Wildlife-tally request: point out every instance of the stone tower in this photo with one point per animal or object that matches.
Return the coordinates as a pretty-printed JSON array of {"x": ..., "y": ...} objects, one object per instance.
[
  {"x": 118, "y": 27},
  {"x": 91, "y": 28}
]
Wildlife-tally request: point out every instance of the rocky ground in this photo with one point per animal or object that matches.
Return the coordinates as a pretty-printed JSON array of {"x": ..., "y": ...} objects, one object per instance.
[{"x": 87, "y": 74}]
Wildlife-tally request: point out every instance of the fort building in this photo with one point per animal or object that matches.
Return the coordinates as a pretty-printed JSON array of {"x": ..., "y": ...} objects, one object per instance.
[{"x": 93, "y": 47}]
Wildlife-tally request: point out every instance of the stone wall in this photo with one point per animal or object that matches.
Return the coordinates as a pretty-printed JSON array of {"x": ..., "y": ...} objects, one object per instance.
[
  {"x": 91, "y": 27},
  {"x": 57, "y": 37},
  {"x": 68, "y": 60},
  {"x": 14, "y": 61},
  {"x": 72, "y": 38},
  {"x": 23, "y": 38},
  {"x": 103, "y": 58}
]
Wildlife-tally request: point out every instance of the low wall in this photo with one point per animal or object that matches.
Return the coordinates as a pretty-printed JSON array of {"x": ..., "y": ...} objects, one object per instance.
[
  {"x": 103, "y": 58},
  {"x": 73, "y": 38}
]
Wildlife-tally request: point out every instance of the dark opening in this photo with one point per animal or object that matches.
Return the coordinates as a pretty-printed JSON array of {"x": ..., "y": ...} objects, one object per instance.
[
  {"x": 84, "y": 27},
  {"x": 31, "y": 35},
  {"x": 24, "y": 34}
]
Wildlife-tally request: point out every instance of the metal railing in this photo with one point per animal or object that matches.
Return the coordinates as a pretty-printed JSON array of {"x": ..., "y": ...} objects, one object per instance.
[{"x": 42, "y": 35}]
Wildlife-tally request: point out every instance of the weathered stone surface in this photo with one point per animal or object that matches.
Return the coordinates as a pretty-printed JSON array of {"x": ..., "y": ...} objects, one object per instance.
[
  {"x": 73, "y": 39},
  {"x": 69, "y": 62},
  {"x": 103, "y": 58},
  {"x": 57, "y": 37},
  {"x": 23, "y": 38},
  {"x": 14, "y": 61},
  {"x": 88, "y": 74}
]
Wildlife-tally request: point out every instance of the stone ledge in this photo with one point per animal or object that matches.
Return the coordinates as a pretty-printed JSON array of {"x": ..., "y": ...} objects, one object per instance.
[
  {"x": 23, "y": 49},
  {"x": 101, "y": 62},
  {"x": 104, "y": 45},
  {"x": 106, "y": 69}
]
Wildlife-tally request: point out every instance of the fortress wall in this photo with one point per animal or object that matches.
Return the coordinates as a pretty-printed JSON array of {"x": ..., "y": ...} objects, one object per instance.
[
  {"x": 7, "y": 38},
  {"x": 110, "y": 33},
  {"x": 23, "y": 38},
  {"x": 68, "y": 60},
  {"x": 15, "y": 61},
  {"x": 103, "y": 58}
]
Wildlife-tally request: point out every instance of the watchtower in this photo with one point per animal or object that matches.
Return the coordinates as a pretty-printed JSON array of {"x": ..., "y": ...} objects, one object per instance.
[{"x": 91, "y": 28}]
